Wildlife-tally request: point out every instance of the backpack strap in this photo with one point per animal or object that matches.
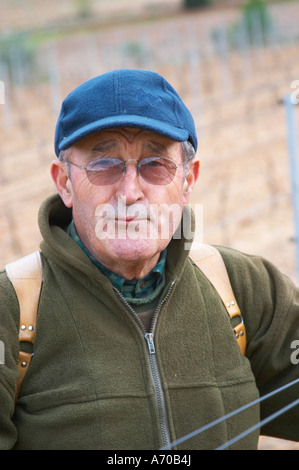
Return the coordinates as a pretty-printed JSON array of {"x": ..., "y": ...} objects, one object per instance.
[
  {"x": 26, "y": 276},
  {"x": 211, "y": 263}
]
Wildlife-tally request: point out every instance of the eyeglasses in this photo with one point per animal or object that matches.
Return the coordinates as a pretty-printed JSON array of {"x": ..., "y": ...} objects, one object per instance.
[{"x": 153, "y": 170}]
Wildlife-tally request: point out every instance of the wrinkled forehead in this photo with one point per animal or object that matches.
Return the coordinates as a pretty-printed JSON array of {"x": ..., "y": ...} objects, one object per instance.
[{"x": 121, "y": 138}]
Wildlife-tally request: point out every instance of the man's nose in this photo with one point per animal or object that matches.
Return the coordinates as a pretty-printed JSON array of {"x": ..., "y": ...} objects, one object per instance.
[{"x": 129, "y": 185}]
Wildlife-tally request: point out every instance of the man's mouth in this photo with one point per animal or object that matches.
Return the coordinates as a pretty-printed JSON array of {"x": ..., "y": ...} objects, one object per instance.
[{"x": 130, "y": 220}]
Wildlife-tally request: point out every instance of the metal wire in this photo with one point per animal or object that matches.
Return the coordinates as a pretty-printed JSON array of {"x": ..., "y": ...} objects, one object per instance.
[
  {"x": 258, "y": 425},
  {"x": 237, "y": 411}
]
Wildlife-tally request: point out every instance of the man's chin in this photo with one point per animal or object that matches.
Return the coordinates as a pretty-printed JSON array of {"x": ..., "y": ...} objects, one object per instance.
[{"x": 129, "y": 250}]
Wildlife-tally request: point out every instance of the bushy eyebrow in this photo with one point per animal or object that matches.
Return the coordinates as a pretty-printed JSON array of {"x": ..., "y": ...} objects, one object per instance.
[
  {"x": 156, "y": 147},
  {"x": 104, "y": 146},
  {"x": 151, "y": 146}
]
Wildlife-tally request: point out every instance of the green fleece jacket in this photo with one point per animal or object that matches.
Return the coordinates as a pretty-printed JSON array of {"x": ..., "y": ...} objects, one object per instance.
[{"x": 96, "y": 380}]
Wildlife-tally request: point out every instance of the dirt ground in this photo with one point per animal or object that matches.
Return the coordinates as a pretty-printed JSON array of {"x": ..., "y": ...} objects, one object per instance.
[{"x": 244, "y": 186}]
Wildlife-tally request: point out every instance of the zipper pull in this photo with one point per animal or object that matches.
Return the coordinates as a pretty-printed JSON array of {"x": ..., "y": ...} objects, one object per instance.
[{"x": 150, "y": 342}]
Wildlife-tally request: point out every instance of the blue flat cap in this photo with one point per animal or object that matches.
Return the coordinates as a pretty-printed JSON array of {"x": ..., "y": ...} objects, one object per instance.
[{"x": 124, "y": 98}]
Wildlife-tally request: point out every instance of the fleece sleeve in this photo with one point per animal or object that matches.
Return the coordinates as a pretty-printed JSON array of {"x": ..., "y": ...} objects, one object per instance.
[
  {"x": 269, "y": 302},
  {"x": 9, "y": 349}
]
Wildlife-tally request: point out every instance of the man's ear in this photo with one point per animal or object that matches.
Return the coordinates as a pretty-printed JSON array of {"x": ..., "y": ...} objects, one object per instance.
[
  {"x": 191, "y": 178},
  {"x": 59, "y": 173}
]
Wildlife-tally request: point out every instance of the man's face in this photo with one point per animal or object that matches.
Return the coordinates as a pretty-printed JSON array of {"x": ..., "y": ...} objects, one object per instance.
[{"x": 131, "y": 220}]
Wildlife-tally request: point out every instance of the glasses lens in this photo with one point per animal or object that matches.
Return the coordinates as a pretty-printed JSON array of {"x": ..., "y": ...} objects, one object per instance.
[
  {"x": 154, "y": 170},
  {"x": 104, "y": 171},
  {"x": 157, "y": 170}
]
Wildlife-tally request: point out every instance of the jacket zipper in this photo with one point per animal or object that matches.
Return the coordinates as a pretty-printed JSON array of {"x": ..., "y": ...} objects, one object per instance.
[{"x": 149, "y": 337}]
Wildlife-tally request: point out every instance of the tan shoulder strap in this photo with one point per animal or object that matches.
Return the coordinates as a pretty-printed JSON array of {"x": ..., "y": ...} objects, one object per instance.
[
  {"x": 26, "y": 276},
  {"x": 210, "y": 262}
]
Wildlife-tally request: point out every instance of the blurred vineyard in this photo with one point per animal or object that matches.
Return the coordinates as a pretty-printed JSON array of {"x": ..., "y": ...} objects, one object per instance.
[{"x": 233, "y": 80}]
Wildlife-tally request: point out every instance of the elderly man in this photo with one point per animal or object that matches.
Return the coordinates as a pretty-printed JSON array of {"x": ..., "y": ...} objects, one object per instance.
[{"x": 134, "y": 348}]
